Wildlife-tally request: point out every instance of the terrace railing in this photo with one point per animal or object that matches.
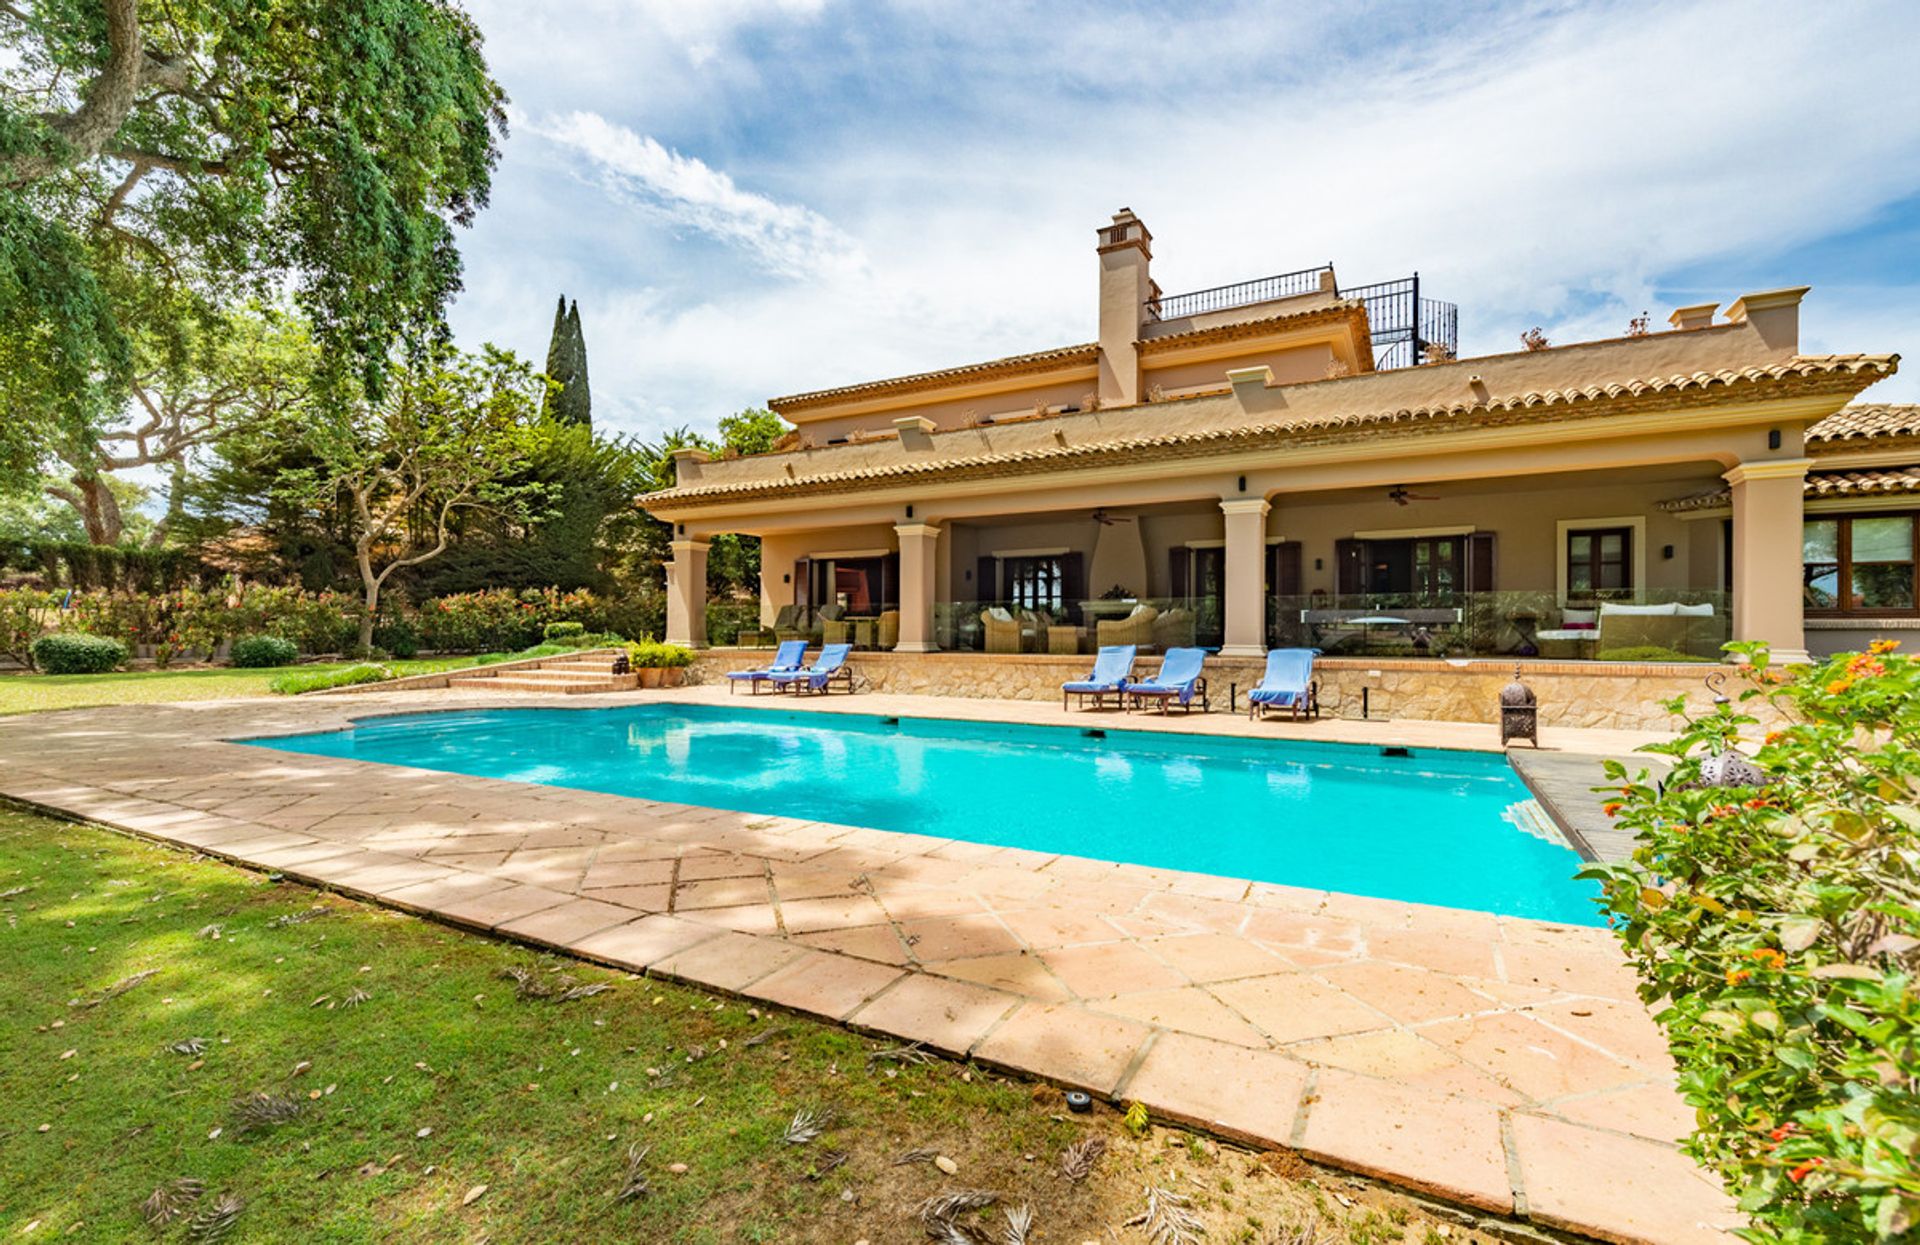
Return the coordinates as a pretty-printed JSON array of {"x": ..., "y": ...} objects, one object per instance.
[
  {"x": 1406, "y": 327},
  {"x": 1070, "y": 627},
  {"x": 1240, "y": 294}
]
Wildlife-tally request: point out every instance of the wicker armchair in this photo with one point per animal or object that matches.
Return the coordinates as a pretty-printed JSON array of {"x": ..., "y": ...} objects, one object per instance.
[
  {"x": 1002, "y": 630},
  {"x": 1174, "y": 629},
  {"x": 889, "y": 629},
  {"x": 1135, "y": 629}
]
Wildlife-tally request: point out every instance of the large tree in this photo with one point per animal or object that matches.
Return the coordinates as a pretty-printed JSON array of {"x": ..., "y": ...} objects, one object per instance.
[
  {"x": 451, "y": 435},
  {"x": 160, "y": 157},
  {"x": 248, "y": 367},
  {"x": 570, "y": 400}
]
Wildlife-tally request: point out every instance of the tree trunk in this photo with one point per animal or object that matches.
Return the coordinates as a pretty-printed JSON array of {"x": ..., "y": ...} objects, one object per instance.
[
  {"x": 363, "y": 554},
  {"x": 99, "y": 510}
]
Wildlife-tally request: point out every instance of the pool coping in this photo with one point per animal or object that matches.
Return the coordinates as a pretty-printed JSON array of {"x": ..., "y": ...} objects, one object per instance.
[{"x": 1541, "y": 1156}]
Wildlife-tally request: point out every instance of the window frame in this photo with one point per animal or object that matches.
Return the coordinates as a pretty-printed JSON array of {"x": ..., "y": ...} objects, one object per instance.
[
  {"x": 1036, "y": 572},
  {"x": 1593, "y": 591},
  {"x": 1843, "y": 565}
]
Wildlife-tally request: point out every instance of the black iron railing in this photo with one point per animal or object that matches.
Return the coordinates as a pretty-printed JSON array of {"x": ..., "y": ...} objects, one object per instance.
[
  {"x": 1407, "y": 328},
  {"x": 1243, "y": 294}
]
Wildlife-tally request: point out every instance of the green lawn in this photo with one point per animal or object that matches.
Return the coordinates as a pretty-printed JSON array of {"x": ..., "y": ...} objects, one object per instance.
[
  {"x": 420, "y": 1075},
  {"x": 31, "y": 693}
]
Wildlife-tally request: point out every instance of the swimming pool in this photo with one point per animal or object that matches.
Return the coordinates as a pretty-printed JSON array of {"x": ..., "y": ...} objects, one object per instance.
[{"x": 1428, "y": 827}]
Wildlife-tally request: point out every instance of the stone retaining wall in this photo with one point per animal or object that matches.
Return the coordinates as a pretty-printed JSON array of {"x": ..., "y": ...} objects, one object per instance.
[{"x": 1614, "y": 695}]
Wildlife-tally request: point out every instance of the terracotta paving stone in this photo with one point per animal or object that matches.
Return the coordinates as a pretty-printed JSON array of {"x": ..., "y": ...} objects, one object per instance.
[
  {"x": 1220, "y": 915},
  {"x": 804, "y": 915},
  {"x": 1287, "y": 930},
  {"x": 699, "y": 867},
  {"x": 638, "y": 944},
  {"x": 1251, "y": 1095},
  {"x": 721, "y": 893},
  {"x": 1404, "y": 1056},
  {"x": 1059, "y": 1042},
  {"x": 312, "y": 850},
  {"x": 569, "y": 924},
  {"x": 478, "y": 844},
  {"x": 496, "y": 907},
  {"x": 790, "y": 883},
  {"x": 725, "y": 961},
  {"x": 558, "y": 867},
  {"x": 924, "y": 903},
  {"x": 758, "y": 918},
  {"x": 1106, "y": 969},
  {"x": 1615, "y": 1187},
  {"x": 1529, "y": 1056},
  {"x": 604, "y": 873},
  {"x": 1621, "y": 1029},
  {"x": 880, "y": 943},
  {"x": 371, "y": 873},
  {"x": 947, "y": 1015},
  {"x": 434, "y": 895},
  {"x": 1598, "y": 972},
  {"x": 1653, "y": 1111},
  {"x": 1409, "y": 995},
  {"x": 640, "y": 898},
  {"x": 1461, "y": 956},
  {"x": 1188, "y": 1009},
  {"x": 827, "y": 985},
  {"x": 958, "y": 937},
  {"x": 1043, "y": 928},
  {"x": 1215, "y": 957},
  {"x": 1448, "y": 1146},
  {"x": 1022, "y": 973},
  {"x": 1291, "y": 1006}
]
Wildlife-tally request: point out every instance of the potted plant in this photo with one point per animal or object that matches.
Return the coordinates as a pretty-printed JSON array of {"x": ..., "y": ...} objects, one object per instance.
[{"x": 659, "y": 665}]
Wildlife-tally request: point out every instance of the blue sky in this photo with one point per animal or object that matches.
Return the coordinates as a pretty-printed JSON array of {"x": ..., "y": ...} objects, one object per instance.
[{"x": 757, "y": 197}]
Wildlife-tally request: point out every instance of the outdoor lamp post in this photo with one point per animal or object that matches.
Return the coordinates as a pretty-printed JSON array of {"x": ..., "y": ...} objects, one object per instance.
[{"x": 1519, "y": 712}]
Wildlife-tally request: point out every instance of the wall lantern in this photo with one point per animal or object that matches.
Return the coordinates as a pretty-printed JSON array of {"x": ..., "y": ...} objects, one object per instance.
[
  {"x": 1319, "y": 564},
  {"x": 1666, "y": 551},
  {"x": 1773, "y": 438},
  {"x": 1243, "y": 484},
  {"x": 1519, "y": 712},
  {"x": 909, "y": 512},
  {"x": 787, "y": 578},
  {"x": 681, "y": 529}
]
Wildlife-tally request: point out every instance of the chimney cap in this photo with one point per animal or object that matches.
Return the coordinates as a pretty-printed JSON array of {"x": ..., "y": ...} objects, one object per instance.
[
  {"x": 1766, "y": 300},
  {"x": 1697, "y": 316},
  {"x": 1126, "y": 230}
]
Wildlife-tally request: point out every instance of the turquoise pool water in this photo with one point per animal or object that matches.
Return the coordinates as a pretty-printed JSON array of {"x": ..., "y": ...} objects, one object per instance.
[{"x": 1428, "y": 827}]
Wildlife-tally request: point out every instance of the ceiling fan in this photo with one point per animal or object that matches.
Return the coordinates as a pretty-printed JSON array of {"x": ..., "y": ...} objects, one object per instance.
[
  {"x": 1400, "y": 495},
  {"x": 1104, "y": 519}
]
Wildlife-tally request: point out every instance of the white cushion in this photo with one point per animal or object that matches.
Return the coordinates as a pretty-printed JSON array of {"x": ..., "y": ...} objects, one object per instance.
[
  {"x": 1139, "y": 609},
  {"x": 999, "y": 614},
  {"x": 1573, "y": 618},
  {"x": 1639, "y": 611},
  {"x": 1703, "y": 610},
  {"x": 1578, "y": 633}
]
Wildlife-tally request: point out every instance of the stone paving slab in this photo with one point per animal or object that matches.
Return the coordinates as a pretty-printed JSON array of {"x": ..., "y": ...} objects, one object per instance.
[{"x": 1500, "y": 1063}]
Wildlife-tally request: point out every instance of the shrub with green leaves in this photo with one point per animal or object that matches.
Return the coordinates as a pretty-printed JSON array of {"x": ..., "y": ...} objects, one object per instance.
[
  {"x": 295, "y": 682},
  {"x": 563, "y": 631},
  {"x": 257, "y": 652},
  {"x": 77, "y": 654},
  {"x": 656, "y": 655},
  {"x": 1776, "y": 932}
]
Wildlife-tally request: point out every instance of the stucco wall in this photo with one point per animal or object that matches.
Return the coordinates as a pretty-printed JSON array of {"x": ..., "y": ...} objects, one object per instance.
[{"x": 1613, "y": 696}]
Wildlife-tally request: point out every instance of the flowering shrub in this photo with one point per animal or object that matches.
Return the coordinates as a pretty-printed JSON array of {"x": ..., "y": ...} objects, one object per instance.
[
  {"x": 1776, "y": 930},
  {"x": 257, "y": 651},
  {"x": 23, "y": 617}
]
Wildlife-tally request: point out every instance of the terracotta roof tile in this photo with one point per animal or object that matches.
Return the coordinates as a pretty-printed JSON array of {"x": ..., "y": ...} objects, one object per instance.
[
  {"x": 1865, "y": 420},
  {"x": 1865, "y": 482},
  {"x": 1059, "y": 355},
  {"x": 1542, "y": 403}
]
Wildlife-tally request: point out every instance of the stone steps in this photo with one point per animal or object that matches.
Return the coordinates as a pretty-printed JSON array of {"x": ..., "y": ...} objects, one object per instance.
[{"x": 590, "y": 672}]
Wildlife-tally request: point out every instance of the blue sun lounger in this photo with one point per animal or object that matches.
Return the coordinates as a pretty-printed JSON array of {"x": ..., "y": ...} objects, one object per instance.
[
  {"x": 790, "y": 657},
  {"x": 1178, "y": 681},
  {"x": 1112, "y": 667},
  {"x": 827, "y": 669},
  {"x": 1288, "y": 684}
]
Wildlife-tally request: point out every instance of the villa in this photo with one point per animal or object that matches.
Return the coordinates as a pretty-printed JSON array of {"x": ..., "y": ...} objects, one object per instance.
[{"x": 1293, "y": 461}]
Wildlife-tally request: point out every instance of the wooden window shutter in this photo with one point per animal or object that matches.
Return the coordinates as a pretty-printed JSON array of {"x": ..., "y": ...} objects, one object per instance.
[
  {"x": 803, "y": 582},
  {"x": 1283, "y": 569},
  {"x": 1480, "y": 562},
  {"x": 1073, "y": 579},
  {"x": 1350, "y": 567},
  {"x": 889, "y": 582},
  {"x": 986, "y": 579},
  {"x": 1179, "y": 559}
]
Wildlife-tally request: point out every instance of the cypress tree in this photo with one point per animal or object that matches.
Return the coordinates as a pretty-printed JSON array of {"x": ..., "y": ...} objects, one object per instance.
[{"x": 567, "y": 366}]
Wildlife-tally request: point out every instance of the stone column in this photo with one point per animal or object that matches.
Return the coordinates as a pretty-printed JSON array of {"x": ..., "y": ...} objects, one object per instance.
[
  {"x": 1768, "y": 501},
  {"x": 1246, "y": 604},
  {"x": 919, "y": 558},
  {"x": 687, "y": 594}
]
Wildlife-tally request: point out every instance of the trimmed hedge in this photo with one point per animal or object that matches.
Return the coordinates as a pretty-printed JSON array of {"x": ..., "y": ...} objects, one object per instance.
[
  {"x": 67, "y": 653},
  {"x": 1776, "y": 930},
  {"x": 295, "y": 682},
  {"x": 563, "y": 630},
  {"x": 257, "y": 652}
]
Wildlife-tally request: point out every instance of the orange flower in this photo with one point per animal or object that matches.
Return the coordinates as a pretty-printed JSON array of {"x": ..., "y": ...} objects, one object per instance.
[
  {"x": 1865, "y": 666},
  {"x": 1767, "y": 957},
  {"x": 1611, "y": 808},
  {"x": 1838, "y": 686},
  {"x": 1738, "y": 976},
  {"x": 1804, "y": 1170},
  {"x": 1883, "y": 646},
  {"x": 1774, "y": 737}
]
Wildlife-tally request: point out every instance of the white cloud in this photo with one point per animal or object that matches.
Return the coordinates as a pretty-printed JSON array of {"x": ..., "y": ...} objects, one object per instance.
[{"x": 787, "y": 238}]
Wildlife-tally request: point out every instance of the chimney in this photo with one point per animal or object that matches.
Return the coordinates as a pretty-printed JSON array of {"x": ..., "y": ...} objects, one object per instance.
[
  {"x": 1774, "y": 314},
  {"x": 1125, "y": 251},
  {"x": 1698, "y": 316}
]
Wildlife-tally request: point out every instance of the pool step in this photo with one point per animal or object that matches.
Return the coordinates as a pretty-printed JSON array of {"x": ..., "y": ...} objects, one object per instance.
[{"x": 593, "y": 672}]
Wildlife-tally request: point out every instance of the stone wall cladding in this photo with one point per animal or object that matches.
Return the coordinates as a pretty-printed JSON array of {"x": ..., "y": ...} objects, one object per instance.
[{"x": 1608, "y": 695}]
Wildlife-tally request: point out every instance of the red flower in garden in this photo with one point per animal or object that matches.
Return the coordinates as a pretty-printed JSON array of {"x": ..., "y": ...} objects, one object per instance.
[
  {"x": 1612, "y": 808},
  {"x": 1882, "y": 647},
  {"x": 1804, "y": 1170},
  {"x": 1738, "y": 976}
]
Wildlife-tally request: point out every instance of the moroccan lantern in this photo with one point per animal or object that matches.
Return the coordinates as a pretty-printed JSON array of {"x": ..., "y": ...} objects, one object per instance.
[{"x": 1519, "y": 712}]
